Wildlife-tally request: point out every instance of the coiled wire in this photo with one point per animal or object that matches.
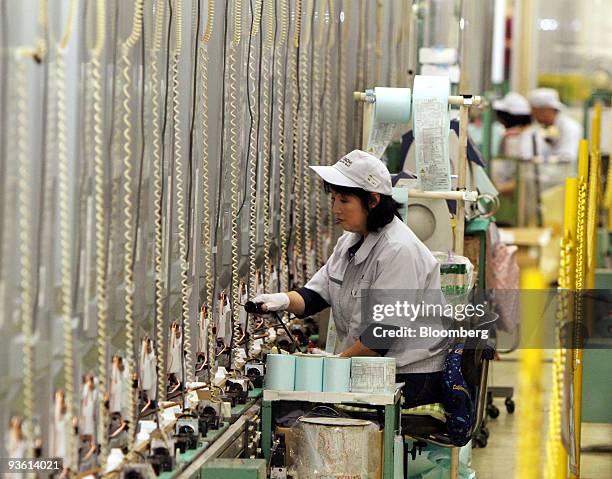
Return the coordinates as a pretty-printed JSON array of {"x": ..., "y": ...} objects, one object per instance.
[
  {"x": 279, "y": 77},
  {"x": 378, "y": 52},
  {"x": 297, "y": 172},
  {"x": 180, "y": 193},
  {"x": 127, "y": 211},
  {"x": 342, "y": 87},
  {"x": 252, "y": 158},
  {"x": 330, "y": 115},
  {"x": 234, "y": 177},
  {"x": 306, "y": 111},
  {"x": 207, "y": 247},
  {"x": 157, "y": 201},
  {"x": 101, "y": 223},
  {"x": 64, "y": 215},
  {"x": 316, "y": 120},
  {"x": 25, "y": 250},
  {"x": 362, "y": 77},
  {"x": 23, "y": 199},
  {"x": 265, "y": 65},
  {"x": 252, "y": 150}
]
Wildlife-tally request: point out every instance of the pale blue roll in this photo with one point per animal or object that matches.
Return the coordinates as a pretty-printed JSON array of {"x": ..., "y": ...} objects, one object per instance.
[
  {"x": 392, "y": 105},
  {"x": 337, "y": 375},
  {"x": 309, "y": 373},
  {"x": 280, "y": 372}
]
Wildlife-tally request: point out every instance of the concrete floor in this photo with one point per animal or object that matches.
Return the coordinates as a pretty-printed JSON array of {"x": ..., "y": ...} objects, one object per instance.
[{"x": 498, "y": 459}]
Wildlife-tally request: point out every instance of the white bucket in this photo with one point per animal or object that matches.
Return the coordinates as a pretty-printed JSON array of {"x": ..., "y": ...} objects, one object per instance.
[{"x": 336, "y": 447}]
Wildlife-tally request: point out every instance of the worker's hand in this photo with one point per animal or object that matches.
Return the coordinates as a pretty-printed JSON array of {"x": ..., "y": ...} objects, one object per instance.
[
  {"x": 273, "y": 302},
  {"x": 321, "y": 352}
]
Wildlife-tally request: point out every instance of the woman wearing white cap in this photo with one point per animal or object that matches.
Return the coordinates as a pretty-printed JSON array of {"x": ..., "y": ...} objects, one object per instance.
[
  {"x": 521, "y": 139},
  {"x": 566, "y": 132},
  {"x": 377, "y": 252}
]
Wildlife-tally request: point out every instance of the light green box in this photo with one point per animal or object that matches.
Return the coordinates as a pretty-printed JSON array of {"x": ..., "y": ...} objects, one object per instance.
[{"x": 234, "y": 469}]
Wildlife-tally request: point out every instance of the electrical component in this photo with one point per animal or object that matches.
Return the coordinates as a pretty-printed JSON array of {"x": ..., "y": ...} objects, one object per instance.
[
  {"x": 137, "y": 471},
  {"x": 186, "y": 432},
  {"x": 255, "y": 371},
  {"x": 209, "y": 414}
]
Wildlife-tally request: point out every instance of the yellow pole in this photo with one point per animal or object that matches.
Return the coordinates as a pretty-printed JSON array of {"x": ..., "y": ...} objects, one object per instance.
[
  {"x": 608, "y": 195},
  {"x": 583, "y": 160},
  {"x": 530, "y": 376},
  {"x": 580, "y": 285},
  {"x": 556, "y": 454},
  {"x": 569, "y": 227},
  {"x": 593, "y": 201}
]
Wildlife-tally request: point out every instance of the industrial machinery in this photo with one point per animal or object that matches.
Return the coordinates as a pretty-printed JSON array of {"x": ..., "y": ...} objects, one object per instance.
[{"x": 158, "y": 179}]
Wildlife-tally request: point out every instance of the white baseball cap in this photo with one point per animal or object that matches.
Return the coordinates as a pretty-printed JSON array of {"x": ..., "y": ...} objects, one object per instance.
[
  {"x": 513, "y": 103},
  {"x": 545, "y": 98},
  {"x": 358, "y": 169}
]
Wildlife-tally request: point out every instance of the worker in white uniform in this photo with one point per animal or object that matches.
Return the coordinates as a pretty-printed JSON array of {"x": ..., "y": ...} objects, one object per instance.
[
  {"x": 521, "y": 140},
  {"x": 564, "y": 133},
  {"x": 377, "y": 252}
]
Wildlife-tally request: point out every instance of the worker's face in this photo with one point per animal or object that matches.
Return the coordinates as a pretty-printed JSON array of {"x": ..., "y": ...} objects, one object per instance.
[
  {"x": 349, "y": 212},
  {"x": 544, "y": 115}
]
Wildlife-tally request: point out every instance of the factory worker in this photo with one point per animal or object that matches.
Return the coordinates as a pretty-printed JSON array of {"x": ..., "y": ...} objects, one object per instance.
[
  {"x": 521, "y": 138},
  {"x": 563, "y": 133},
  {"x": 377, "y": 252}
]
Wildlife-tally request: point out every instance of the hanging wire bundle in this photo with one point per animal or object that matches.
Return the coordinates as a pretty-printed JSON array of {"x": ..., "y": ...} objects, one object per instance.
[{"x": 140, "y": 156}]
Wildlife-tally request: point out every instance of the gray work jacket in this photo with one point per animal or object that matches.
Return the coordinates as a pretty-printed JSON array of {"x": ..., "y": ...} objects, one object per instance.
[{"x": 391, "y": 259}]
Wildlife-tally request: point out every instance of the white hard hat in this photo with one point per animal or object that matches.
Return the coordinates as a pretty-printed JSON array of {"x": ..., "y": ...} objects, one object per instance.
[
  {"x": 545, "y": 98},
  {"x": 358, "y": 169},
  {"x": 513, "y": 103}
]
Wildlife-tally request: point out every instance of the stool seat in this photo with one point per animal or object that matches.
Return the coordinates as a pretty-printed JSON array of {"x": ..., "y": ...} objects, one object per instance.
[{"x": 425, "y": 428}]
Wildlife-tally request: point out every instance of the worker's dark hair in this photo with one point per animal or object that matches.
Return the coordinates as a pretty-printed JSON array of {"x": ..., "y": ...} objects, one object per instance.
[
  {"x": 509, "y": 120},
  {"x": 379, "y": 216}
]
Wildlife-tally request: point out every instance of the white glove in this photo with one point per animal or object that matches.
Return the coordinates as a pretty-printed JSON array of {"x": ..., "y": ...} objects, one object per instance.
[
  {"x": 321, "y": 352},
  {"x": 273, "y": 302}
]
